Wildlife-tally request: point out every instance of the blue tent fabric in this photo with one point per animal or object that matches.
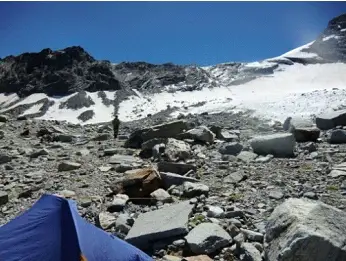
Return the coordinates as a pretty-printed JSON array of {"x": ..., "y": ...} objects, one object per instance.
[{"x": 52, "y": 230}]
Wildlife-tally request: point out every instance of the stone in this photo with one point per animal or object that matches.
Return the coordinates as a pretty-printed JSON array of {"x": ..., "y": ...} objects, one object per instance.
[
  {"x": 251, "y": 253},
  {"x": 276, "y": 194},
  {"x": 3, "y": 198},
  {"x": 230, "y": 148},
  {"x": 177, "y": 150},
  {"x": 118, "y": 203},
  {"x": 123, "y": 223},
  {"x": 110, "y": 152},
  {"x": 171, "y": 258},
  {"x": 83, "y": 152},
  {"x": 280, "y": 145},
  {"x": 67, "y": 193},
  {"x": 207, "y": 238},
  {"x": 228, "y": 136},
  {"x": 150, "y": 144},
  {"x": 233, "y": 230},
  {"x": 3, "y": 118},
  {"x": 264, "y": 159},
  {"x": 166, "y": 130},
  {"x": 310, "y": 147},
  {"x": 306, "y": 230},
  {"x": 306, "y": 134},
  {"x": 173, "y": 167},
  {"x": 198, "y": 258},
  {"x": 42, "y": 152},
  {"x": 106, "y": 220},
  {"x": 172, "y": 179},
  {"x": 310, "y": 195},
  {"x": 139, "y": 184},
  {"x": 247, "y": 156},
  {"x": 105, "y": 168},
  {"x": 68, "y": 166},
  {"x": 330, "y": 120},
  {"x": 102, "y": 137},
  {"x": 234, "y": 177},
  {"x": 201, "y": 133},
  {"x": 5, "y": 158},
  {"x": 125, "y": 159},
  {"x": 63, "y": 138},
  {"x": 167, "y": 222},
  {"x": 179, "y": 243},
  {"x": 161, "y": 195},
  {"x": 337, "y": 137},
  {"x": 194, "y": 189},
  {"x": 214, "y": 211},
  {"x": 252, "y": 235}
]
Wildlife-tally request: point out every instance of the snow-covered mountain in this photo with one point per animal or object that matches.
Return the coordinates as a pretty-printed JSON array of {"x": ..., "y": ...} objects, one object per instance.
[{"x": 71, "y": 85}]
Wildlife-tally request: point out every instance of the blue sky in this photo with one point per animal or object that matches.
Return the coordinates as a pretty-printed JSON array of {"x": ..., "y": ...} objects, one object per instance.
[{"x": 201, "y": 33}]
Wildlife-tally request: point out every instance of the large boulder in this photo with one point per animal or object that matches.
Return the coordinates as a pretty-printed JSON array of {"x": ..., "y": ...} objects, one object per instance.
[
  {"x": 230, "y": 148},
  {"x": 166, "y": 130},
  {"x": 201, "y": 133},
  {"x": 331, "y": 119},
  {"x": 139, "y": 183},
  {"x": 306, "y": 230},
  {"x": 337, "y": 137},
  {"x": 207, "y": 238},
  {"x": 281, "y": 144},
  {"x": 302, "y": 129},
  {"x": 167, "y": 222},
  {"x": 177, "y": 150}
]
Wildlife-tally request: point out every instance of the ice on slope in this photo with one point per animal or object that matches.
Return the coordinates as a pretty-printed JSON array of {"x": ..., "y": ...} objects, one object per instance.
[
  {"x": 299, "y": 53},
  {"x": 297, "y": 90},
  {"x": 333, "y": 36}
]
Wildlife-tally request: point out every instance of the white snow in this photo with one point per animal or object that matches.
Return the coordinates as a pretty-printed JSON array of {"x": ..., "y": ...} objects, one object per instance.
[
  {"x": 262, "y": 64},
  {"x": 297, "y": 90},
  {"x": 330, "y": 37},
  {"x": 299, "y": 53},
  {"x": 33, "y": 109},
  {"x": 102, "y": 112},
  {"x": 6, "y": 100},
  {"x": 110, "y": 94}
]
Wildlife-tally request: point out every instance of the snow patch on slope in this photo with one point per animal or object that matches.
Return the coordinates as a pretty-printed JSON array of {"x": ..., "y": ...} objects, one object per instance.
[
  {"x": 7, "y": 99},
  {"x": 36, "y": 108},
  {"x": 333, "y": 36},
  {"x": 297, "y": 90}
]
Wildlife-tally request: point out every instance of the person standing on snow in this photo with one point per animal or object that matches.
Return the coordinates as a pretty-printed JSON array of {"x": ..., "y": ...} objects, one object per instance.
[{"x": 116, "y": 125}]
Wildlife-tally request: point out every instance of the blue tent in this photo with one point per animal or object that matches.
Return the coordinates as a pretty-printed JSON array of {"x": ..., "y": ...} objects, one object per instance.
[{"x": 52, "y": 230}]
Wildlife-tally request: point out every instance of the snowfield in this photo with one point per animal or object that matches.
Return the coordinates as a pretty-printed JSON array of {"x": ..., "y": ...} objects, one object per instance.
[{"x": 293, "y": 90}]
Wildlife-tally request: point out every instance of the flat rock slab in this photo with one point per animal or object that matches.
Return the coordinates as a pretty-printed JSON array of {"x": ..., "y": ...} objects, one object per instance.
[
  {"x": 118, "y": 159},
  {"x": 170, "y": 179},
  {"x": 281, "y": 144},
  {"x": 306, "y": 230},
  {"x": 68, "y": 165},
  {"x": 178, "y": 168},
  {"x": 207, "y": 238},
  {"x": 331, "y": 119},
  {"x": 160, "y": 224}
]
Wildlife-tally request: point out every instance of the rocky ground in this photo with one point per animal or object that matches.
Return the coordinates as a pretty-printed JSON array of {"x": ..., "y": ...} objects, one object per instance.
[{"x": 209, "y": 194}]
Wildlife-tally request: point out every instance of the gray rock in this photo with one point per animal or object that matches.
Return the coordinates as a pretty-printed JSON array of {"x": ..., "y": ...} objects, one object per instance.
[
  {"x": 42, "y": 152},
  {"x": 251, "y": 253},
  {"x": 161, "y": 195},
  {"x": 3, "y": 198},
  {"x": 118, "y": 203},
  {"x": 252, "y": 235},
  {"x": 67, "y": 193},
  {"x": 123, "y": 223},
  {"x": 281, "y": 144},
  {"x": 170, "y": 179},
  {"x": 207, "y": 238},
  {"x": 264, "y": 159},
  {"x": 105, "y": 168},
  {"x": 148, "y": 145},
  {"x": 126, "y": 159},
  {"x": 276, "y": 194},
  {"x": 310, "y": 195},
  {"x": 178, "y": 168},
  {"x": 166, "y": 130},
  {"x": 310, "y": 147},
  {"x": 83, "y": 152},
  {"x": 247, "y": 156},
  {"x": 306, "y": 134},
  {"x": 5, "y": 158},
  {"x": 214, "y": 211},
  {"x": 305, "y": 230},
  {"x": 233, "y": 230},
  {"x": 194, "y": 189},
  {"x": 228, "y": 136},
  {"x": 68, "y": 165},
  {"x": 110, "y": 152},
  {"x": 63, "y": 138},
  {"x": 3, "y": 118},
  {"x": 106, "y": 220},
  {"x": 179, "y": 243},
  {"x": 161, "y": 224},
  {"x": 234, "y": 177},
  {"x": 177, "y": 150},
  {"x": 331, "y": 120},
  {"x": 201, "y": 133},
  {"x": 230, "y": 148},
  {"x": 337, "y": 137},
  {"x": 102, "y": 137}
]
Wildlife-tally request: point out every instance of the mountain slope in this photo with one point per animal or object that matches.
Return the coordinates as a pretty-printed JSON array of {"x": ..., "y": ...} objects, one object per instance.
[{"x": 305, "y": 81}]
